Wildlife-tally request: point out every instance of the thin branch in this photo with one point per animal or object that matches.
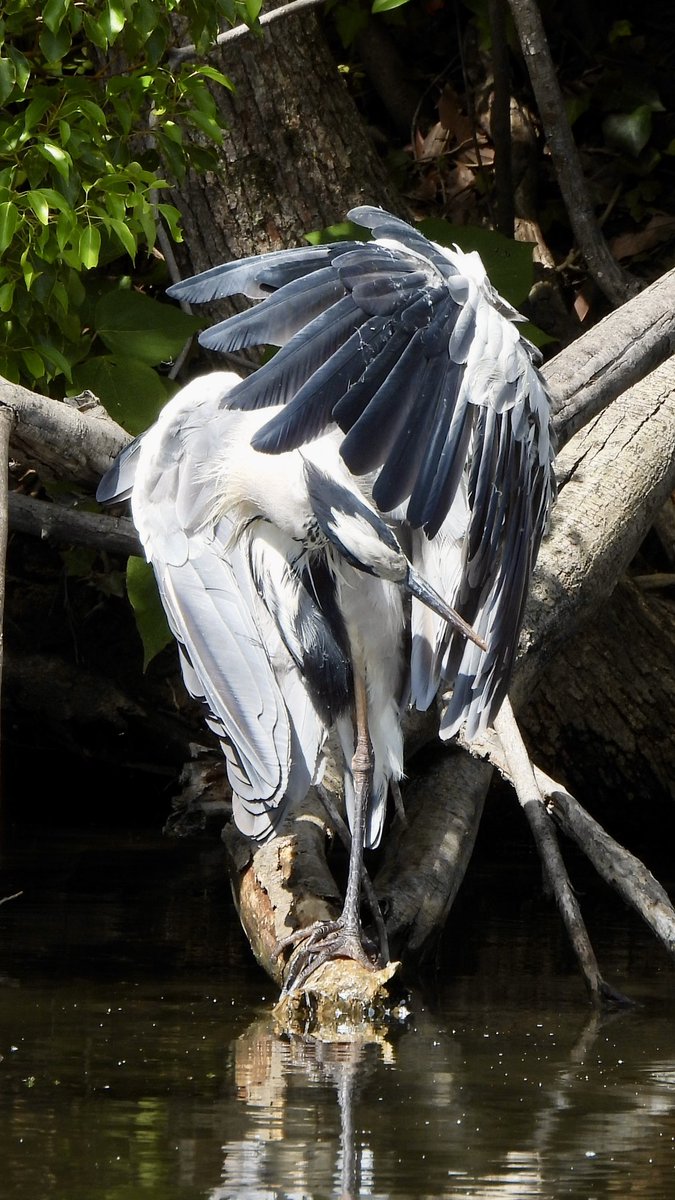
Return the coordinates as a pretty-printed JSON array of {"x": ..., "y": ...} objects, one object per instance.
[
  {"x": 521, "y": 773},
  {"x": 500, "y": 122},
  {"x": 238, "y": 31},
  {"x": 616, "y": 865},
  {"x": 56, "y": 523},
  {"x": 603, "y": 267}
]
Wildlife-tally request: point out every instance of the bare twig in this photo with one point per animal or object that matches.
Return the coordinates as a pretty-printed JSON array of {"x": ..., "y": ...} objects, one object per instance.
[
  {"x": 602, "y": 266},
  {"x": 181, "y": 53},
  {"x": 500, "y": 122},
  {"x": 522, "y": 776},
  {"x": 616, "y": 865}
]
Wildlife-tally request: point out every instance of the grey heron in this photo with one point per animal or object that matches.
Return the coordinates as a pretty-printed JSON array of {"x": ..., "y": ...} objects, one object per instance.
[{"x": 350, "y": 529}]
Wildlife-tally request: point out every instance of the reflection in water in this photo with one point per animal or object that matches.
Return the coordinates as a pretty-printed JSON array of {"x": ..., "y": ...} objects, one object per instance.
[
  {"x": 515, "y": 1108},
  {"x": 139, "y": 1058},
  {"x": 268, "y": 1066}
]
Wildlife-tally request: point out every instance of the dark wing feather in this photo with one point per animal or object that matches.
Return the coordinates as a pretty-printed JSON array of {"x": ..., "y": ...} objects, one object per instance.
[
  {"x": 257, "y": 276},
  {"x": 312, "y": 408},
  {"x": 408, "y": 349},
  {"x": 283, "y": 376},
  {"x": 281, "y": 316}
]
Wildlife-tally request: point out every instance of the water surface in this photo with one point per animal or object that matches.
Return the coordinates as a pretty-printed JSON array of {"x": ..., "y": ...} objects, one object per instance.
[{"x": 139, "y": 1059}]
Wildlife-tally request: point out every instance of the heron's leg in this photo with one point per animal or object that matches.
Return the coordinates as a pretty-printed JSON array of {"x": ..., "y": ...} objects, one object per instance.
[
  {"x": 342, "y": 830},
  {"x": 362, "y": 774},
  {"x": 342, "y": 938}
]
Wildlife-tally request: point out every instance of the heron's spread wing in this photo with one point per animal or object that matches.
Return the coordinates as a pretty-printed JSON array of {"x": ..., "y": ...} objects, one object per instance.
[
  {"x": 406, "y": 347},
  {"x": 233, "y": 654},
  {"x": 234, "y": 660}
]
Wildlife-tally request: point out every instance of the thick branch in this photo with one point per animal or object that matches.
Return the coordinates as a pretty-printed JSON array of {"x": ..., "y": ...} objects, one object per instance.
[
  {"x": 55, "y": 436},
  {"x": 612, "y": 356},
  {"x": 54, "y": 522},
  {"x": 617, "y": 473}
]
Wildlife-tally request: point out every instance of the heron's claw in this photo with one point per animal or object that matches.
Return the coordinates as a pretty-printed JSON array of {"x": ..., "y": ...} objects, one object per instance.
[{"x": 318, "y": 944}]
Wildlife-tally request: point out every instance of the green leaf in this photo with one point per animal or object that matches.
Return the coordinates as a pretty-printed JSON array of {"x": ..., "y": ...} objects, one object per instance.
[
  {"x": 34, "y": 363},
  {"x": 380, "y": 6},
  {"x": 39, "y": 206},
  {"x": 21, "y": 67},
  {"x": 7, "y": 79},
  {"x": 55, "y": 46},
  {"x": 90, "y": 246},
  {"x": 53, "y": 13},
  {"x": 126, "y": 237},
  {"x": 342, "y": 231},
  {"x": 620, "y": 29},
  {"x": 132, "y": 324},
  {"x": 217, "y": 76},
  {"x": 207, "y": 124},
  {"x": 114, "y": 20},
  {"x": 57, "y": 156},
  {"x": 252, "y": 9},
  {"x": 9, "y": 219},
  {"x": 150, "y": 619},
  {"x": 7, "y": 296},
  {"x": 130, "y": 390}
]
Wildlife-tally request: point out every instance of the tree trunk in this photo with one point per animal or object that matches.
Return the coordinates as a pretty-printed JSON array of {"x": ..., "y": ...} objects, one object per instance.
[{"x": 296, "y": 159}]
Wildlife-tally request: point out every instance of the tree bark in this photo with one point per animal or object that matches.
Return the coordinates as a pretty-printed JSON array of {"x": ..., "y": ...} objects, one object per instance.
[{"x": 296, "y": 159}]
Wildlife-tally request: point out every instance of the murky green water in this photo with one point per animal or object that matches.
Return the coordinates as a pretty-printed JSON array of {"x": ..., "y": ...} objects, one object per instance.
[{"x": 138, "y": 1059}]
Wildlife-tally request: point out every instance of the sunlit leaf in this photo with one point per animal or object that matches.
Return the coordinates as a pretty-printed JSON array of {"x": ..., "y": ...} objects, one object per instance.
[
  {"x": 124, "y": 234},
  {"x": 90, "y": 246},
  {"x": 39, "y": 206},
  {"x": 9, "y": 219},
  {"x": 57, "y": 156},
  {"x": 380, "y": 6},
  {"x": 216, "y": 76}
]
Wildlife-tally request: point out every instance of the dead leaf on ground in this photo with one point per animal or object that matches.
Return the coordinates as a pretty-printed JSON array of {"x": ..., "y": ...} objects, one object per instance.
[{"x": 660, "y": 228}]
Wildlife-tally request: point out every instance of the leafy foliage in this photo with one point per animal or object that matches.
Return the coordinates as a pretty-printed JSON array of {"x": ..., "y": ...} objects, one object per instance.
[{"x": 92, "y": 123}]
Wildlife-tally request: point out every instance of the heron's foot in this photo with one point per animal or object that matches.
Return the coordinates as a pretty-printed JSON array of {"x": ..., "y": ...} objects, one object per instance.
[{"x": 320, "y": 943}]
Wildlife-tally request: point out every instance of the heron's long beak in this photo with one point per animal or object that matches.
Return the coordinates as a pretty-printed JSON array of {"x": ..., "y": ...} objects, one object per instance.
[{"x": 424, "y": 592}]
